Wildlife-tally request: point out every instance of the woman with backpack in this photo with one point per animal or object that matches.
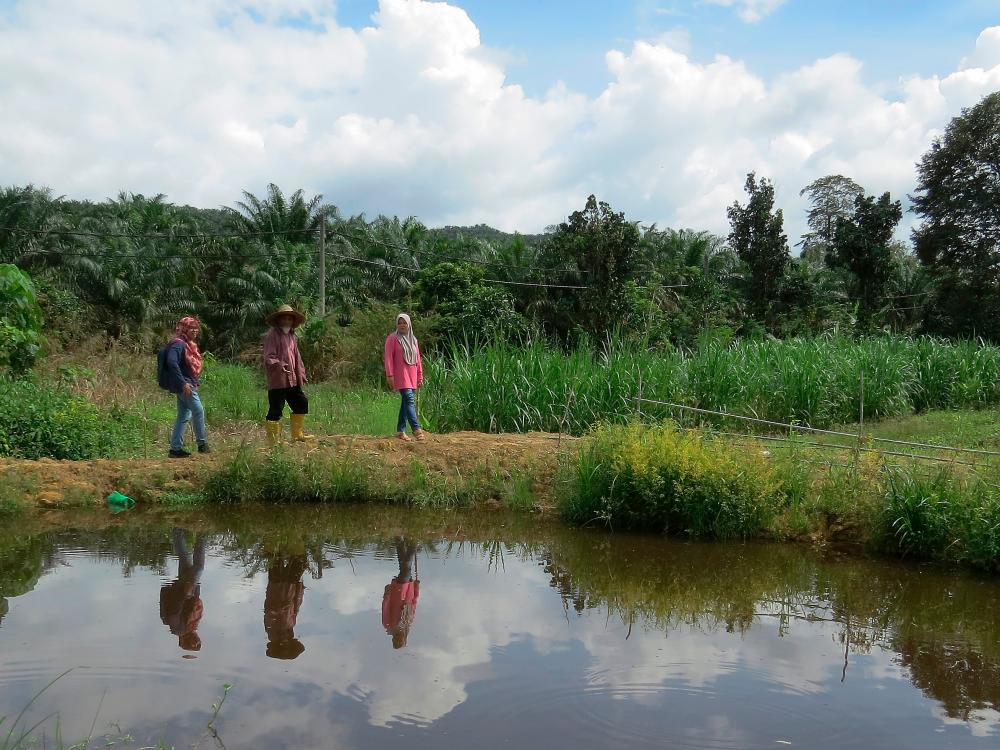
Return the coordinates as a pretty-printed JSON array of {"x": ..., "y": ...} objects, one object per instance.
[
  {"x": 286, "y": 374},
  {"x": 179, "y": 366}
]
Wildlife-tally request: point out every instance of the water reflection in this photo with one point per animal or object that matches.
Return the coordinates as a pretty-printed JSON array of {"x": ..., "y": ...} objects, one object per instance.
[
  {"x": 588, "y": 639},
  {"x": 399, "y": 601},
  {"x": 181, "y": 608},
  {"x": 282, "y": 601}
]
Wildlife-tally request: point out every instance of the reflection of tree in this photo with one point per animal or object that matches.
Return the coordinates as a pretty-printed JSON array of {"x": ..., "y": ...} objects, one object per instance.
[
  {"x": 943, "y": 626},
  {"x": 957, "y": 674},
  {"x": 23, "y": 560}
]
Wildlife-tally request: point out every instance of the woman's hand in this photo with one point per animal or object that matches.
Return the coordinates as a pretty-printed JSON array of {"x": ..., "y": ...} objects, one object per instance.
[
  {"x": 187, "y": 390},
  {"x": 389, "y": 379}
]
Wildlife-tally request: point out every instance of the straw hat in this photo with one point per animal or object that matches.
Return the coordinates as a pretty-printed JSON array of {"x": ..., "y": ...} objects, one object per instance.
[{"x": 298, "y": 317}]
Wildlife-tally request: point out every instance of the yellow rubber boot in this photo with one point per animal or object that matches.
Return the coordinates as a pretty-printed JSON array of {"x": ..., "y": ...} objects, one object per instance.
[
  {"x": 273, "y": 433},
  {"x": 298, "y": 428}
]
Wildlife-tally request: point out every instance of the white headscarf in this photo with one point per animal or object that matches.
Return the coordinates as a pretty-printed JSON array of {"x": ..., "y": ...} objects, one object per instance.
[{"x": 407, "y": 340}]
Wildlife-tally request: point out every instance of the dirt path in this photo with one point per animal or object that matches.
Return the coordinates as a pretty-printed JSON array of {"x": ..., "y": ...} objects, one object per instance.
[{"x": 51, "y": 483}]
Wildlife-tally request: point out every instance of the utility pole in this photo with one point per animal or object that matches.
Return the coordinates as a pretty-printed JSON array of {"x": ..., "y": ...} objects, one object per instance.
[{"x": 322, "y": 269}]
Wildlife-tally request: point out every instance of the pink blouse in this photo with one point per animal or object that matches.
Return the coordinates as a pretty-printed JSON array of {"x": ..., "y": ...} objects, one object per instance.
[
  {"x": 402, "y": 374},
  {"x": 282, "y": 350}
]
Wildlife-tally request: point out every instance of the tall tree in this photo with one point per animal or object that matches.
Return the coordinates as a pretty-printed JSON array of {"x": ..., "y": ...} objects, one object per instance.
[
  {"x": 603, "y": 246},
  {"x": 758, "y": 237},
  {"x": 293, "y": 215},
  {"x": 862, "y": 245},
  {"x": 958, "y": 198},
  {"x": 830, "y": 198}
]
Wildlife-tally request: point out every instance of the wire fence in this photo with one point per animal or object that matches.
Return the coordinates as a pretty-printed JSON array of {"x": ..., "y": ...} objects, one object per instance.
[{"x": 862, "y": 443}]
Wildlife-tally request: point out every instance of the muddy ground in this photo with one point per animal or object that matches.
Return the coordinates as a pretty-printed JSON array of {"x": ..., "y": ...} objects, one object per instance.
[{"x": 52, "y": 483}]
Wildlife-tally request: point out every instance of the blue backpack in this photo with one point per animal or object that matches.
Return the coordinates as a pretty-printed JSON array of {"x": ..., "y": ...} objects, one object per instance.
[{"x": 162, "y": 376}]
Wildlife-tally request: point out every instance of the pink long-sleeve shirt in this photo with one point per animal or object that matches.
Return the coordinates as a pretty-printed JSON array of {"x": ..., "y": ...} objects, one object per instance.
[
  {"x": 402, "y": 374},
  {"x": 282, "y": 350}
]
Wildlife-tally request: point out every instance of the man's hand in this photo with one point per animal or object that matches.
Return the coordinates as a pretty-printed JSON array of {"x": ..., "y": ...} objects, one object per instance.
[
  {"x": 389, "y": 379},
  {"x": 188, "y": 390}
]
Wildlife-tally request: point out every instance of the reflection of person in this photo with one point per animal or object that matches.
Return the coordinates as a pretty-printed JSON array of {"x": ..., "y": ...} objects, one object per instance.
[
  {"x": 180, "y": 600},
  {"x": 404, "y": 371},
  {"x": 399, "y": 602},
  {"x": 282, "y": 601}
]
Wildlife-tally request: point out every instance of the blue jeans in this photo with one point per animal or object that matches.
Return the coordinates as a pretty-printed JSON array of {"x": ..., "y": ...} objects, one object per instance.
[
  {"x": 407, "y": 410},
  {"x": 188, "y": 408}
]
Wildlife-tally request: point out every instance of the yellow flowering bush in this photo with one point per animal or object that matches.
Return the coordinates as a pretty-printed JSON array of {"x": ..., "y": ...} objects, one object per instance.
[{"x": 668, "y": 479}]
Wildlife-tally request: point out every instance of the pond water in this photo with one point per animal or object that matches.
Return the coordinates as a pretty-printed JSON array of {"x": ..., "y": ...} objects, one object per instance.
[{"x": 378, "y": 628}]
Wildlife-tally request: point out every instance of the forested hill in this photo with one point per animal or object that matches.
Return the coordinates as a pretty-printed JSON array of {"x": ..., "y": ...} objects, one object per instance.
[{"x": 481, "y": 232}]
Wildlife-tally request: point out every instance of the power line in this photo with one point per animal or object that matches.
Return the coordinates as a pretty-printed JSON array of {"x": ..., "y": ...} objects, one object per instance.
[
  {"x": 386, "y": 264},
  {"x": 156, "y": 235},
  {"x": 497, "y": 264},
  {"x": 907, "y": 296}
]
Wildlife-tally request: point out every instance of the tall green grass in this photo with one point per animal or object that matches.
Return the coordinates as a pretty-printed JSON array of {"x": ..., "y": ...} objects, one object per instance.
[
  {"x": 689, "y": 483},
  {"x": 815, "y": 381}
]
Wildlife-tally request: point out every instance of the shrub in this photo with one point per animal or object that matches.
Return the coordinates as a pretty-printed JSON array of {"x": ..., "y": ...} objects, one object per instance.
[
  {"x": 20, "y": 320},
  {"x": 946, "y": 517},
  {"x": 665, "y": 479},
  {"x": 47, "y": 421}
]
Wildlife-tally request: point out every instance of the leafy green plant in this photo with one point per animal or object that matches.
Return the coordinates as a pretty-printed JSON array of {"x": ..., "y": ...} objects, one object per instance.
[
  {"x": 45, "y": 421},
  {"x": 20, "y": 321},
  {"x": 669, "y": 480}
]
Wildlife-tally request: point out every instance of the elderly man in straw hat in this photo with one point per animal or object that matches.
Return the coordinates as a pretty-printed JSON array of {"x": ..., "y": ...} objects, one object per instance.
[{"x": 286, "y": 374}]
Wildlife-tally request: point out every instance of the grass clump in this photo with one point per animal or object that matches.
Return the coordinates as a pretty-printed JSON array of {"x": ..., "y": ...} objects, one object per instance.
[
  {"x": 956, "y": 519},
  {"x": 689, "y": 483},
  {"x": 47, "y": 421},
  {"x": 279, "y": 477},
  {"x": 815, "y": 381},
  {"x": 665, "y": 479}
]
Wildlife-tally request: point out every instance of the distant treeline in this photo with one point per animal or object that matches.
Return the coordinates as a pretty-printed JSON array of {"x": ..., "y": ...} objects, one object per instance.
[{"x": 133, "y": 263}]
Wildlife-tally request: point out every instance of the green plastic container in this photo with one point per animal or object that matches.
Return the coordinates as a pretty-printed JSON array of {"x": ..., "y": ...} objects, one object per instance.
[{"x": 119, "y": 502}]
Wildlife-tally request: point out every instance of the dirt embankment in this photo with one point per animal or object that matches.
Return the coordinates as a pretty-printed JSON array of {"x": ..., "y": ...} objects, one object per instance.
[{"x": 51, "y": 483}]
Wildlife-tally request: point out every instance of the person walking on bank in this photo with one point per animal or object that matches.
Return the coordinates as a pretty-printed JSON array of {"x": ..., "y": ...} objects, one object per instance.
[
  {"x": 286, "y": 374},
  {"x": 405, "y": 373},
  {"x": 180, "y": 373}
]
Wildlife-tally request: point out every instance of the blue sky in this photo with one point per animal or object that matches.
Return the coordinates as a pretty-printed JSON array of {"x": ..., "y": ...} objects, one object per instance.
[
  {"x": 450, "y": 112},
  {"x": 551, "y": 40}
]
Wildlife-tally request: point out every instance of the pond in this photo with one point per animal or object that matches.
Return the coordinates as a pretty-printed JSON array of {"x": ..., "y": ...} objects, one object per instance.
[{"x": 378, "y": 627}]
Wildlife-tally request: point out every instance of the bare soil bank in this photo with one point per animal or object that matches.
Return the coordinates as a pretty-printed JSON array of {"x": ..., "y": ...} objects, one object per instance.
[{"x": 50, "y": 483}]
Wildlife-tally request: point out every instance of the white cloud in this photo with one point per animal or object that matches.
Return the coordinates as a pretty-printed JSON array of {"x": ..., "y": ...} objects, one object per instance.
[
  {"x": 750, "y": 11},
  {"x": 414, "y": 116}
]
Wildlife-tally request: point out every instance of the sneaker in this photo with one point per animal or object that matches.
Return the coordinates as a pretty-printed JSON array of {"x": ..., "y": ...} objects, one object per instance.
[
  {"x": 179, "y": 454},
  {"x": 203, "y": 448}
]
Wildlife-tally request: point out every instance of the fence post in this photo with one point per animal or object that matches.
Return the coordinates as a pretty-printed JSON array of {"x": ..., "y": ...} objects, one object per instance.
[
  {"x": 638, "y": 399},
  {"x": 322, "y": 268},
  {"x": 861, "y": 416}
]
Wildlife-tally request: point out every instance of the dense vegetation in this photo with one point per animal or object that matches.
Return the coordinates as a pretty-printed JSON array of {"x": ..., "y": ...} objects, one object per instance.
[
  {"x": 815, "y": 381},
  {"x": 132, "y": 264},
  {"x": 686, "y": 482}
]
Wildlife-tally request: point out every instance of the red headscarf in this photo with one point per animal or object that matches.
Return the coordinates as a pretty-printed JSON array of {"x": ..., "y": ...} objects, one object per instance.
[{"x": 184, "y": 333}]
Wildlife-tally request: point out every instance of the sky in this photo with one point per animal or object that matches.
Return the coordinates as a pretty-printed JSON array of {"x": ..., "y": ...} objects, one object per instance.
[{"x": 477, "y": 111}]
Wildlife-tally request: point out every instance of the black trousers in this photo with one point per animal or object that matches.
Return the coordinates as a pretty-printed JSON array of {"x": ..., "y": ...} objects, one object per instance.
[{"x": 276, "y": 398}]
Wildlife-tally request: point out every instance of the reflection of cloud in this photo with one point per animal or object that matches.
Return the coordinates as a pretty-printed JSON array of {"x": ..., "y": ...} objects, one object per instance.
[
  {"x": 984, "y": 722},
  {"x": 481, "y": 642}
]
